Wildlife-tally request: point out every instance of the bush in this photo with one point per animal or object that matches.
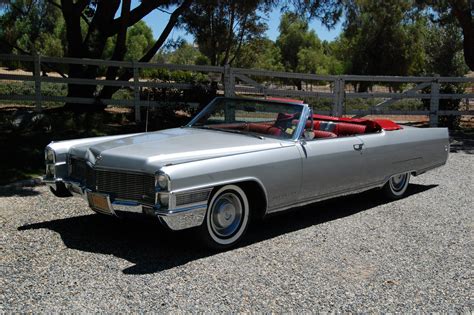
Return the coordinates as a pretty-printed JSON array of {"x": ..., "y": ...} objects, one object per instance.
[{"x": 451, "y": 122}]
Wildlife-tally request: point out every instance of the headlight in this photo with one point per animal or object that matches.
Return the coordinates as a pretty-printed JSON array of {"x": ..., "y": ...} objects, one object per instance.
[
  {"x": 163, "y": 181},
  {"x": 49, "y": 156},
  {"x": 163, "y": 199}
]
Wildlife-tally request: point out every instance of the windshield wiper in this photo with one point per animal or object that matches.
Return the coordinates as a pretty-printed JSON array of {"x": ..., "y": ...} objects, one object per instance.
[{"x": 230, "y": 131}]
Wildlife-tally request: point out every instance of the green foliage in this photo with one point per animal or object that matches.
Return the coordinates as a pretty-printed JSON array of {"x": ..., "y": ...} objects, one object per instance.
[
  {"x": 186, "y": 54},
  {"x": 444, "y": 56},
  {"x": 295, "y": 36},
  {"x": 302, "y": 51},
  {"x": 28, "y": 26},
  {"x": 383, "y": 38},
  {"x": 315, "y": 61},
  {"x": 443, "y": 50},
  {"x": 454, "y": 12},
  {"x": 139, "y": 40},
  {"x": 220, "y": 28},
  {"x": 260, "y": 53},
  {"x": 28, "y": 88}
]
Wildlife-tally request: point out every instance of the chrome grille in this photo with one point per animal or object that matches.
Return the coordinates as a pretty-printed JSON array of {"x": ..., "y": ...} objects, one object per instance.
[
  {"x": 118, "y": 184},
  {"x": 131, "y": 186},
  {"x": 82, "y": 172},
  {"x": 192, "y": 197},
  {"x": 78, "y": 169}
]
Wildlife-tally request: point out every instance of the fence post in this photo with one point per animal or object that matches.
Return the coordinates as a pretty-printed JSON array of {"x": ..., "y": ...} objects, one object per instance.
[
  {"x": 338, "y": 105},
  {"x": 434, "y": 103},
  {"x": 37, "y": 77},
  {"x": 136, "y": 92},
  {"x": 229, "y": 81}
]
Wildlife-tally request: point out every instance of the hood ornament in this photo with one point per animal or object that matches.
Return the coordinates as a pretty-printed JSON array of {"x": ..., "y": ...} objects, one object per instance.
[{"x": 94, "y": 155}]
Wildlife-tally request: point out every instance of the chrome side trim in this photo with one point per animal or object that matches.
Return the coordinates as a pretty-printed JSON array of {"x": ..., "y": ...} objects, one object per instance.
[
  {"x": 325, "y": 197},
  {"x": 180, "y": 210},
  {"x": 185, "y": 215},
  {"x": 219, "y": 183},
  {"x": 341, "y": 193},
  {"x": 192, "y": 197}
]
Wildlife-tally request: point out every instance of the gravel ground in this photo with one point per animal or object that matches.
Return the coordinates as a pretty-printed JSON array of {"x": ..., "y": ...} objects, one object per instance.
[{"x": 352, "y": 254}]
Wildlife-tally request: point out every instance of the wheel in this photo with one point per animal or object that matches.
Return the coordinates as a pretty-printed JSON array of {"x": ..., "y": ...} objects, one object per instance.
[
  {"x": 396, "y": 186},
  {"x": 227, "y": 218}
]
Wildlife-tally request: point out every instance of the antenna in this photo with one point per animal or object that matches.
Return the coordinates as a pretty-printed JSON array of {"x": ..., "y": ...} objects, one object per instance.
[{"x": 147, "y": 110}]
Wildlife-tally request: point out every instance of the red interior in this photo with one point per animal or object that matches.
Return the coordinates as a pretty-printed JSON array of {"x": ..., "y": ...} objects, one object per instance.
[
  {"x": 372, "y": 125},
  {"x": 324, "y": 134},
  {"x": 264, "y": 128},
  {"x": 339, "y": 126}
]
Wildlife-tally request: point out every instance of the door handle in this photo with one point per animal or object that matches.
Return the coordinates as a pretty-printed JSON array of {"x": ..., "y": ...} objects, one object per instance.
[{"x": 358, "y": 146}]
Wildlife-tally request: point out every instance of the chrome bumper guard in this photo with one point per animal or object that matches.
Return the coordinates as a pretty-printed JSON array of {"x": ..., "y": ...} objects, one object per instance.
[{"x": 184, "y": 217}]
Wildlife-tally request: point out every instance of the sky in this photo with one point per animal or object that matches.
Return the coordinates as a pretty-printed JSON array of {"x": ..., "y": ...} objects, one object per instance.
[{"x": 157, "y": 21}]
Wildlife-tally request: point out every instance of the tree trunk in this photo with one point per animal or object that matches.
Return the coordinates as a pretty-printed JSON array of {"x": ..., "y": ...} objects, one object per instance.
[
  {"x": 82, "y": 91},
  {"x": 119, "y": 51},
  {"x": 92, "y": 46},
  {"x": 104, "y": 25},
  {"x": 75, "y": 50},
  {"x": 468, "y": 43},
  {"x": 464, "y": 16},
  {"x": 107, "y": 92}
]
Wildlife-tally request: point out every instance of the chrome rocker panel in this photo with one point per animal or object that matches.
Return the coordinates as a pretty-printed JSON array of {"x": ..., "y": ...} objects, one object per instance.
[{"x": 184, "y": 217}]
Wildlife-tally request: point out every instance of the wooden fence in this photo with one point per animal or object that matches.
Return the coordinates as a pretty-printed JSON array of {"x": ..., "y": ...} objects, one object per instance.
[{"x": 234, "y": 81}]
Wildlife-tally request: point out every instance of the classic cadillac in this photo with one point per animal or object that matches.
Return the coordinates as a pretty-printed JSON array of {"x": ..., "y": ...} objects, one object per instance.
[{"x": 240, "y": 159}]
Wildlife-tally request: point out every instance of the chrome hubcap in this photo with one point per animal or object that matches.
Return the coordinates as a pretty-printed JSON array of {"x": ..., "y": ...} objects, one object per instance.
[
  {"x": 397, "y": 182},
  {"x": 226, "y": 215}
]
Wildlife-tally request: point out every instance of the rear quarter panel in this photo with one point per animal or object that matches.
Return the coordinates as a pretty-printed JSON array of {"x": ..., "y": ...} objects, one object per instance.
[{"x": 407, "y": 149}]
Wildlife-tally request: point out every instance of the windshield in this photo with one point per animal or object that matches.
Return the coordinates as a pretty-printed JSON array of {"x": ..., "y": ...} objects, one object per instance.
[{"x": 252, "y": 117}]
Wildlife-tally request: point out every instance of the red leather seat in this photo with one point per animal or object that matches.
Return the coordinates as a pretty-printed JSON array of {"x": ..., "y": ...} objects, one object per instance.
[
  {"x": 274, "y": 131},
  {"x": 237, "y": 126},
  {"x": 260, "y": 128},
  {"x": 263, "y": 128},
  {"x": 347, "y": 129},
  {"x": 316, "y": 123},
  {"x": 324, "y": 134}
]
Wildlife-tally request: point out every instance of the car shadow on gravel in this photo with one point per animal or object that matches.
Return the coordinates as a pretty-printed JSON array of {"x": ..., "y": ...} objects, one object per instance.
[
  {"x": 152, "y": 248},
  {"x": 18, "y": 191}
]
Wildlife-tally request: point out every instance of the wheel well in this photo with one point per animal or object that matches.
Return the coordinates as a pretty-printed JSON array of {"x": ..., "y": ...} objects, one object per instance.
[{"x": 255, "y": 194}]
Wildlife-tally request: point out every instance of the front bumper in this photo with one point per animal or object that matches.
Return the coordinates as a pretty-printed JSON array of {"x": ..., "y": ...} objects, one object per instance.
[{"x": 176, "y": 218}]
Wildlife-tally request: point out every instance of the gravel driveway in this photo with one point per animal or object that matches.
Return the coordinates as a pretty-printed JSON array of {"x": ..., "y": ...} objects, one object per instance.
[{"x": 357, "y": 253}]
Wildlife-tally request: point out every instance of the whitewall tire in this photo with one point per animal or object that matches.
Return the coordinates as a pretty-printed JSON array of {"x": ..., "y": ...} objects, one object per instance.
[
  {"x": 227, "y": 217},
  {"x": 397, "y": 185}
]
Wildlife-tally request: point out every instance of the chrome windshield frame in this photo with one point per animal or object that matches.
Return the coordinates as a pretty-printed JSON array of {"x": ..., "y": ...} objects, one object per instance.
[
  {"x": 299, "y": 129},
  {"x": 302, "y": 123}
]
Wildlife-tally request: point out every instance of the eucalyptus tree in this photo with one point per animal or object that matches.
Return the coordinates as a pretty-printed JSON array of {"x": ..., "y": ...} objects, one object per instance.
[{"x": 222, "y": 27}]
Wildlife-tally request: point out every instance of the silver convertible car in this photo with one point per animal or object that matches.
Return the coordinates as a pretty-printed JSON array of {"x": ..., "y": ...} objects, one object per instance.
[{"x": 240, "y": 159}]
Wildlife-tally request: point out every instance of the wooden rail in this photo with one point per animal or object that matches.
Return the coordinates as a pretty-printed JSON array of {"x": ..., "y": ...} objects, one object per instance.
[{"x": 234, "y": 81}]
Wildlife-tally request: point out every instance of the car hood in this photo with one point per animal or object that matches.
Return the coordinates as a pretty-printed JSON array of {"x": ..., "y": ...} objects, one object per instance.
[{"x": 149, "y": 151}]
